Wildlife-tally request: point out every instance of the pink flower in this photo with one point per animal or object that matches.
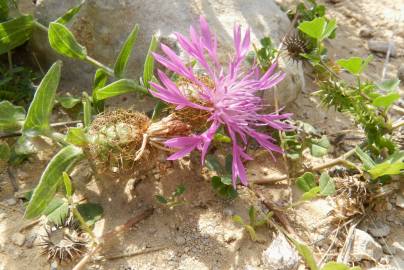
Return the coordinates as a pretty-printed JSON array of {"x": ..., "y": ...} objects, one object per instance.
[{"x": 232, "y": 101}]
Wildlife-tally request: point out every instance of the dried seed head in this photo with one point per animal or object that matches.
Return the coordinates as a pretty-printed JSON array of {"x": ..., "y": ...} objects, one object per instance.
[
  {"x": 63, "y": 243},
  {"x": 295, "y": 46}
]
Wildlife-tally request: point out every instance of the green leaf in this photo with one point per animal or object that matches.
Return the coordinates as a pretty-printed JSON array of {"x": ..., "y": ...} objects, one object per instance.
[
  {"x": 40, "y": 110},
  {"x": 125, "y": 53},
  {"x": 117, "y": 88},
  {"x": 335, "y": 266},
  {"x": 306, "y": 182},
  {"x": 327, "y": 185},
  {"x": 148, "y": 69},
  {"x": 11, "y": 117},
  {"x": 386, "y": 100},
  {"x": 25, "y": 146},
  {"x": 68, "y": 102},
  {"x": 51, "y": 178},
  {"x": 161, "y": 199},
  {"x": 179, "y": 190},
  {"x": 367, "y": 161},
  {"x": 319, "y": 147},
  {"x": 68, "y": 184},
  {"x": 213, "y": 164},
  {"x": 100, "y": 80},
  {"x": 4, "y": 9},
  {"x": 389, "y": 85},
  {"x": 66, "y": 18},
  {"x": 311, "y": 194},
  {"x": 158, "y": 109},
  {"x": 223, "y": 186},
  {"x": 252, "y": 213},
  {"x": 392, "y": 166},
  {"x": 228, "y": 164},
  {"x": 306, "y": 253},
  {"x": 57, "y": 210},
  {"x": 5, "y": 151},
  {"x": 252, "y": 232},
  {"x": 15, "y": 32},
  {"x": 355, "y": 65},
  {"x": 62, "y": 41},
  {"x": 91, "y": 212},
  {"x": 318, "y": 28},
  {"x": 237, "y": 219},
  {"x": 76, "y": 136},
  {"x": 87, "y": 112},
  {"x": 220, "y": 137}
]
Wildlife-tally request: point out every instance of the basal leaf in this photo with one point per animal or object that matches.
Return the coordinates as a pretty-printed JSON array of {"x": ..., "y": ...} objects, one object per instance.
[
  {"x": 62, "y": 41},
  {"x": 68, "y": 102},
  {"x": 11, "y": 117},
  {"x": 57, "y": 211},
  {"x": 40, "y": 110},
  {"x": 386, "y": 100},
  {"x": 15, "y": 32},
  {"x": 148, "y": 69},
  {"x": 100, "y": 80},
  {"x": 125, "y": 53},
  {"x": 327, "y": 185},
  {"x": 66, "y": 18},
  {"x": 76, "y": 136},
  {"x": 51, "y": 178},
  {"x": 25, "y": 145},
  {"x": 319, "y": 147},
  {"x": 387, "y": 168},
  {"x": 68, "y": 184},
  {"x": 311, "y": 194},
  {"x": 306, "y": 182},
  {"x": 355, "y": 65},
  {"x": 91, "y": 212},
  {"x": 367, "y": 161},
  {"x": 5, "y": 151},
  {"x": 252, "y": 214},
  {"x": 117, "y": 88},
  {"x": 251, "y": 232},
  {"x": 306, "y": 253}
]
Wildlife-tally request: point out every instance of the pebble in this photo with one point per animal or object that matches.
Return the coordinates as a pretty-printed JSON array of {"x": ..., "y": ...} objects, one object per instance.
[
  {"x": 18, "y": 239},
  {"x": 366, "y": 33},
  {"x": 382, "y": 47},
  {"x": 400, "y": 73},
  {"x": 228, "y": 212},
  {"x": 399, "y": 248},
  {"x": 379, "y": 229},
  {"x": 390, "y": 250},
  {"x": 11, "y": 202},
  {"x": 364, "y": 247},
  {"x": 2, "y": 216},
  {"x": 280, "y": 255},
  {"x": 29, "y": 243},
  {"x": 400, "y": 201},
  {"x": 179, "y": 240}
]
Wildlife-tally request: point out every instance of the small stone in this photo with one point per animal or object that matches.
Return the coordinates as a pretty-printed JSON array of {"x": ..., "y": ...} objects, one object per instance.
[
  {"x": 400, "y": 201},
  {"x": 179, "y": 240},
  {"x": 366, "y": 33},
  {"x": 280, "y": 255},
  {"x": 364, "y": 247},
  {"x": 390, "y": 250},
  {"x": 399, "y": 248},
  {"x": 11, "y": 202},
  {"x": 382, "y": 47},
  {"x": 400, "y": 73},
  {"x": 30, "y": 241},
  {"x": 3, "y": 216},
  {"x": 228, "y": 212},
  {"x": 389, "y": 206},
  {"x": 18, "y": 239},
  {"x": 379, "y": 229}
]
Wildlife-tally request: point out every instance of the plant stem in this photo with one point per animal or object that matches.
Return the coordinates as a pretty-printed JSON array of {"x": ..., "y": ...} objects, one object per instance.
[
  {"x": 41, "y": 26},
  {"x": 83, "y": 223},
  {"x": 94, "y": 62},
  {"x": 10, "y": 61}
]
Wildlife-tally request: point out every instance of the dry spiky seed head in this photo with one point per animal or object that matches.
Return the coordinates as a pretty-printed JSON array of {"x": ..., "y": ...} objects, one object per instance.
[{"x": 295, "y": 46}]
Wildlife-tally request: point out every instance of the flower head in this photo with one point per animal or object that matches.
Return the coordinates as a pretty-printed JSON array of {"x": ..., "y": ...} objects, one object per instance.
[{"x": 227, "y": 94}]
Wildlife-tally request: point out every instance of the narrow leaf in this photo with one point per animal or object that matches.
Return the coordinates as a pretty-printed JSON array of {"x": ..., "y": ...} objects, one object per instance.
[
  {"x": 100, "y": 80},
  {"x": 87, "y": 114},
  {"x": 306, "y": 253},
  {"x": 66, "y": 18},
  {"x": 125, "y": 53},
  {"x": 68, "y": 184},
  {"x": 237, "y": 219},
  {"x": 327, "y": 185},
  {"x": 367, "y": 161},
  {"x": 161, "y": 199},
  {"x": 57, "y": 210},
  {"x": 76, "y": 136},
  {"x": 40, "y": 110},
  {"x": 158, "y": 109},
  {"x": 51, "y": 179},
  {"x": 148, "y": 69},
  {"x": 11, "y": 117},
  {"x": 213, "y": 164},
  {"x": 15, "y": 32},
  {"x": 335, "y": 266},
  {"x": 252, "y": 232},
  {"x": 387, "y": 168},
  {"x": 62, "y": 41},
  {"x": 117, "y": 88},
  {"x": 4, "y": 9},
  {"x": 179, "y": 190}
]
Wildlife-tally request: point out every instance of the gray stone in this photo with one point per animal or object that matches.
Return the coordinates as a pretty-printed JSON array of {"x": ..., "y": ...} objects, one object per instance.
[
  {"x": 400, "y": 73},
  {"x": 400, "y": 201},
  {"x": 379, "y": 229},
  {"x": 100, "y": 27},
  {"x": 280, "y": 255},
  {"x": 11, "y": 202},
  {"x": 382, "y": 47},
  {"x": 364, "y": 247},
  {"x": 179, "y": 240},
  {"x": 18, "y": 239},
  {"x": 399, "y": 248}
]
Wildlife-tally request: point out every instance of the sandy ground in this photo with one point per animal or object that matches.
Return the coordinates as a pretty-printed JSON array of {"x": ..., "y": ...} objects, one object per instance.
[{"x": 201, "y": 234}]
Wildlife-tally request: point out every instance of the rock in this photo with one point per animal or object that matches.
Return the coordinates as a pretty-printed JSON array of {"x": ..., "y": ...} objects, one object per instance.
[
  {"x": 400, "y": 75},
  {"x": 2, "y": 216},
  {"x": 18, "y": 239},
  {"x": 30, "y": 241},
  {"x": 379, "y": 229},
  {"x": 280, "y": 255},
  {"x": 400, "y": 201},
  {"x": 390, "y": 250},
  {"x": 179, "y": 240},
  {"x": 100, "y": 28},
  {"x": 11, "y": 202},
  {"x": 228, "y": 212},
  {"x": 366, "y": 33},
  {"x": 364, "y": 247},
  {"x": 382, "y": 47},
  {"x": 399, "y": 248}
]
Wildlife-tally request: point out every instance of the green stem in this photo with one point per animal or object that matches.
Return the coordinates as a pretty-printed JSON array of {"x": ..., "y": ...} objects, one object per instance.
[
  {"x": 41, "y": 26},
  {"x": 83, "y": 223},
  {"x": 94, "y": 62},
  {"x": 10, "y": 61}
]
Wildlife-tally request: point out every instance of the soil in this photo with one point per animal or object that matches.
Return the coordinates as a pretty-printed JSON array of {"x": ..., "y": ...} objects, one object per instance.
[{"x": 201, "y": 234}]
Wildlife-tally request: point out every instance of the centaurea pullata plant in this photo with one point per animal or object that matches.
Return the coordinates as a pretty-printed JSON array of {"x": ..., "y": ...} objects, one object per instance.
[{"x": 228, "y": 95}]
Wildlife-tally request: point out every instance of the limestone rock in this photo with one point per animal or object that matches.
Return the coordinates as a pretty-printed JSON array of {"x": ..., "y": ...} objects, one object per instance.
[
  {"x": 103, "y": 25},
  {"x": 364, "y": 247},
  {"x": 382, "y": 47},
  {"x": 280, "y": 255},
  {"x": 18, "y": 239},
  {"x": 379, "y": 229}
]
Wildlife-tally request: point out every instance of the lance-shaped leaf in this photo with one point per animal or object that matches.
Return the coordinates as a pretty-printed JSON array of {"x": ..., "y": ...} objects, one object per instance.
[
  {"x": 393, "y": 165},
  {"x": 76, "y": 136},
  {"x": 11, "y": 117},
  {"x": 51, "y": 179},
  {"x": 148, "y": 69},
  {"x": 100, "y": 80},
  {"x": 40, "y": 110},
  {"x": 117, "y": 88},
  {"x": 57, "y": 210},
  {"x": 306, "y": 253},
  {"x": 125, "y": 53},
  {"x": 87, "y": 110},
  {"x": 15, "y": 32},
  {"x": 62, "y": 41},
  {"x": 367, "y": 161},
  {"x": 70, "y": 14}
]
